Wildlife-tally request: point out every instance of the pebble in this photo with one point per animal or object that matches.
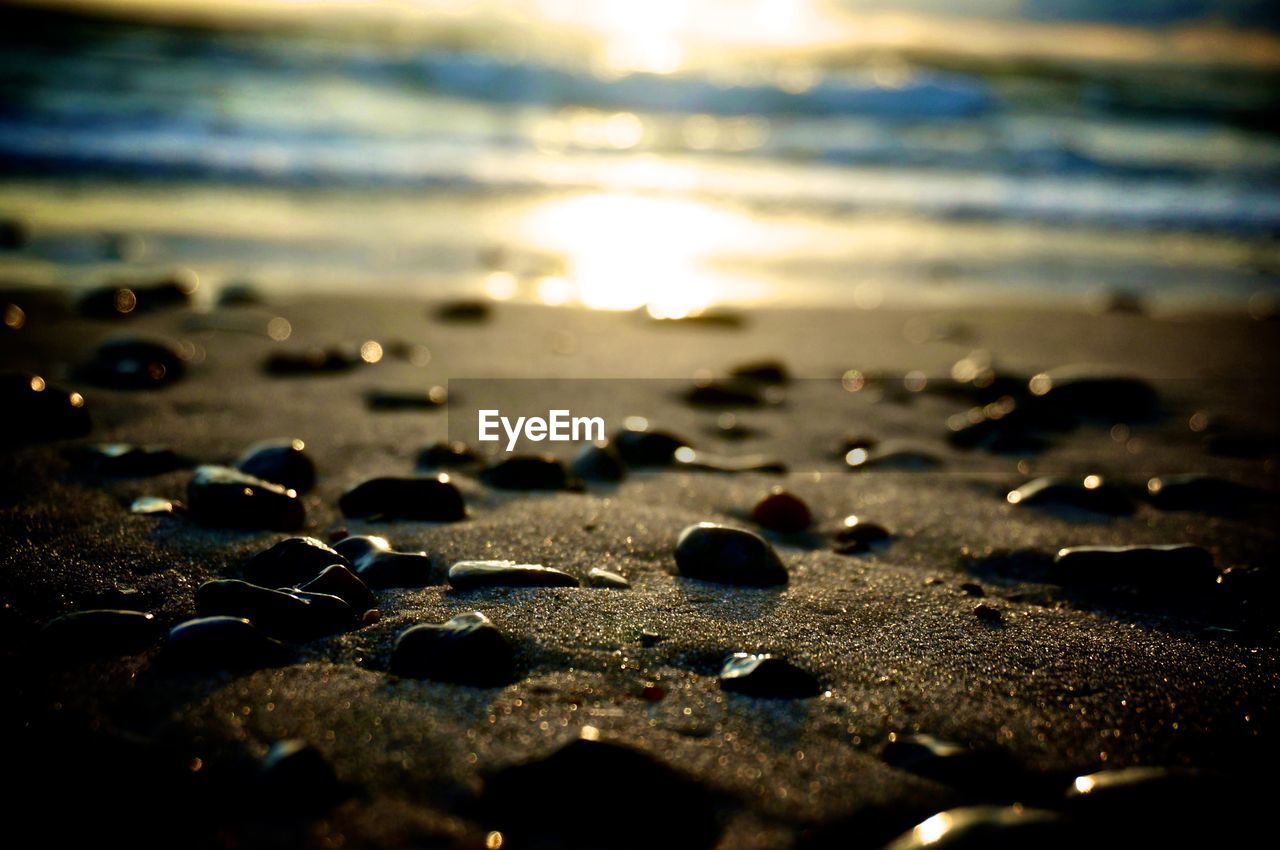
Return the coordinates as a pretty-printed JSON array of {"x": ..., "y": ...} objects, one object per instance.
[
  {"x": 112, "y": 302},
  {"x": 226, "y": 497},
  {"x": 988, "y": 614},
  {"x": 935, "y": 758},
  {"x": 312, "y": 361},
  {"x": 782, "y": 511},
  {"x": 443, "y": 455},
  {"x": 728, "y": 555},
  {"x": 125, "y": 459},
  {"x": 855, "y": 440},
  {"x": 857, "y": 536},
  {"x": 292, "y": 561},
  {"x": 240, "y": 295},
  {"x": 155, "y": 505},
  {"x": 767, "y": 676},
  {"x": 380, "y": 566},
  {"x": 607, "y": 579},
  {"x": 281, "y": 461},
  {"x": 1172, "y": 568},
  {"x": 34, "y": 409},
  {"x": 1143, "y": 806},
  {"x": 131, "y": 363},
  {"x": 337, "y": 580},
  {"x": 223, "y": 643},
  {"x": 1199, "y": 493},
  {"x": 1000, "y": 426},
  {"x": 469, "y": 575},
  {"x": 988, "y": 828},
  {"x": 296, "y": 776},
  {"x": 279, "y": 613},
  {"x": 1091, "y": 493},
  {"x": 99, "y": 632},
  {"x": 894, "y": 454},
  {"x": 599, "y": 463},
  {"x": 1093, "y": 392},
  {"x": 435, "y": 398},
  {"x": 642, "y": 447},
  {"x": 464, "y": 310},
  {"x": 720, "y": 394},
  {"x": 530, "y": 472},
  {"x": 687, "y": 458},
  {"x": 467, "y": 650},
  {"x": 433, "y": 499},
  {"x": 762, "y": 371}
]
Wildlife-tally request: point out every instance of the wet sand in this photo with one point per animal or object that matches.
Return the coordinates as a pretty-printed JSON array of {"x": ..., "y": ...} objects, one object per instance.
[{"x": 1063, "y": 684}]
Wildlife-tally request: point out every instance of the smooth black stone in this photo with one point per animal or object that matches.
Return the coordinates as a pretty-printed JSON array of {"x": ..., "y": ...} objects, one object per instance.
[
  {"x": 433, "y": 499},
  {"x": 647, "y": 448},
  {"x": 607, "y": 579},
  {"x": 1254, "y": 592},
  {"x": 113, "y": 302},
  {"x": 894, "y": 455},
  {"x": 453, "y": 455},
  {"x": 281, "y": 461},
  {"x": 292, "y": 561},
  {"x": 767, "y": 676},
  {"x": 432, "y": 399},
  {"x": 857, "y": 536},
  {"x": 1194, "y": 492},
  {"x": 134, "y": 364},
  {"x": 240, "y": 295},
  {"x": 947, "y": 762},
  {"x": 1073, "y": 493},
  {"x": 726, "y": 319},
  {"x": 518, "y": 798},
  {"x": 469, "y": 575},
  {"x": 467, "y": 650},
  {"x": 32, "y": 409},
  {"x": 763, "y": 372},
  {"x": 988, "y": 614},
  {"x": 1095, "y": 393},
  {"x": 464, "y": 310},
  {"x": 337, "y": 580},
  {"x": 530, "y": 472},
  {"x": 227, "y": 643},
  {"x": 99, "y": 632},
  {"x": 782, "y": 511},
  {"x": 278, "y": 613},
  {"x": 730, "y": 464},
  {"x": 124, "y": 459},
  {"x": 729, "y": 556},
  {"x": 227, "y": 498},
  {"x": 312, "y": 361},
  {"x": 599, "y": 463},
  {"x": 1002, "y": 426},
  {"x": 1171, "y": 568},
  {"x": 295, "y": 776},
  {"x": 724, "y": 394},
  {"x": 155, "y": 506},
  {"x": 989, "y": 828},
  {"x": 378, "y": 565}
]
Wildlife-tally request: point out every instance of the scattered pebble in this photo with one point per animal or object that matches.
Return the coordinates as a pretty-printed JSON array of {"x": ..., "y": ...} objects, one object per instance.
[
  {"x": 126, "y": 459},
  {"x": 435, "y": 398},
  {"x": 643, "y": 447},
  {"x": 113, "y": 302},
  {"x": 1092, "y": 392},
  {"x": 279, "y": 613},
  {"x": 1173, "y": 568},
  {"x": 600, "y": 463},
  {"x": 1091, "y": 493},
  {"x": 294, "y": 775},
  {"x": 993, "y": 827},
  {"x": 988, "y": 614},
  {"x": 281, "y": 461},
  {"x": 34, "y": 409},
  {"x": 767, "y": 676},
  {"x": 443, "y": 455},
  {"x": 469, "y": 575},
  {"x": 529, "y": 472},
  {"x": 292, "y": 561},
  {"x": 687, "y": 458},
  {"x": 727, "y": 555},
  {"x": 130, "y": 363},
  {"x": 225, "y": 497},
  {"x": 337, "y": 580},
  {"x": 607, "y": 579},
  {"x": 380, "y": 566},
  {"x": 467, "y": 650},
  {"x": 857, "y": 536},
  {"x": 463, "y": 310},
  {"x": 762, "y": 371},
  {"x": 1196, "y": 492},
  {"x": 155, "y": 505},
  {"x": 99, "y": 632},
  {"x": 782, "y": 511},
  {"x": 433, "y": 499},
  {"x": 724, "y": 394},
  {"x": 223, "y": 643},
  {"x": 312, "y": 361},
  {"x": 894, "y": 455}
]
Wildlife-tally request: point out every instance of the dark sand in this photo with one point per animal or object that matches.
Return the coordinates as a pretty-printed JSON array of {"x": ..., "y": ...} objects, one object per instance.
[{"x": 1065, "y": 685}]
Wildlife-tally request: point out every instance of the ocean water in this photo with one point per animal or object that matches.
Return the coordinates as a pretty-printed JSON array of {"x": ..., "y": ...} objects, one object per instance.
[{"x": 660, "y": 158}]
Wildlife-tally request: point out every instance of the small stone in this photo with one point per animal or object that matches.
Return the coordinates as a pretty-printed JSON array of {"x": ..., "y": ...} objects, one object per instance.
[
  {"x": 728, "y": 555},
  {"x": 380, "y": 566},
  {"x": 855, "y": 440},
  {"x": 296, "y": 776},
  {"x": 606, "y": 579},
  {"x": 435, "y": 398},
  {"x": 857, "y": 536},
  {"x": 782, "y": 511},
  {"x": 99, "y": 632},
  {"x": 130, "y": 363},
  {"x": 467, "y": 650},
  {"x": 240, "y": 295},
  {"x": 225, "y": 497},
  {"x": 642, "y": 447},
  {"x": 600, "y": 463},
  {"x": 724, "y": 394},
  {"x": 1145, "y": 806},
  {"x": 280, "y": 461},
  {"x": 894, "y": 455},
  {"x": 34, "y": 409},
  {"x": 112, "y": 302},
  {"x": 1091, "y": 493},
  {"x": 125, "y": 459},
  {"x": 312, "y": 361},
  {"x": 687, "y": 458},
  {"x": 276, "y": 612},
  {"x": 763, "y": 372},
  {"x": 944, "y": 761},
  {"x": 988, "y": 614},
  {"x": 767, "y": 676},
  {"x": 1199, "y": 493},
  {"x": 455, "y": 455},
  {"x": 292, "y": 561},
  {"x": 432, "y": 499},
  {"x": 337, "y": 580},
  {"x": 223, "y": 643},
  {"x": 529, "y": 472},
  {"x": 651, "y": 638},
  {"x": 469, "y": 575},
  {"x": 463, "y": 310},
  {"x": 989, "y": 827},
  {"x": 1093, "y": 392},
  {"x": 998, "y": 426},
  {"x": 1168, "y": 568},
  {"x": 154, "y": 506}
]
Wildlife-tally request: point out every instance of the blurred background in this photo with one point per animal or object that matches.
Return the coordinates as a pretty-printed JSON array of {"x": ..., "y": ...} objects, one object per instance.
[{"x": 656, "y": 155}]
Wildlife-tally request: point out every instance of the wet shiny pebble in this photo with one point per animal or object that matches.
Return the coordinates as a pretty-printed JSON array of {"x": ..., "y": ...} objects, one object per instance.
[
  {"x": 1194, "y": 492},
  {"x": 283, "y": 462},
  {"x": 599, "y": 463},
  {"x": 223, "y": 643},
  {"x": 228, "y": 498},
  {"x": 782, "y": 511},
  {"x": 894, "y": 455},
  {"x": 607, "y": 579},
  {"x": 1091, "y": 493},
  {"x": 455, "y": 455},
  {"x": 466, "y": 650},
  {"x": 292, "y": 561},
  {"x": 644, "y": 447},
  {"x": 126, "y": 459},
  {"x": 1176, "y": 568},
  {"x": 767, "y": 676},
  {"x": 434, "y": 398},
  {"x": 312, "y": 361},
  {"x": 34, "y": 409},
  {"x": 856, "y": 536},
  {"x": 700, "y": 461},
  {"x": 337, "y": 580},
  {"x": 469, "y": 575},
  {"x": 728, "y": 555},
  {"x": 295, "y": 776},
  {"x": 1094, "y": 392},
  {"x": 99, "y": 632},
  {"x": 433, "y": 499},
  {"x": 380, "y": 566},
  {"x": 290, "y": 615},
  {"x": 130, "y": 363},
  {"x": 530, "y": 472},
  {"x": 987, "y": 828}
]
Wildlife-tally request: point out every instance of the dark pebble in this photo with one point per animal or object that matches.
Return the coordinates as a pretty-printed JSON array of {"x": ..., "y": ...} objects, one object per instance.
[
  {"x": 607, "y": 579},
  {"x": 337, "y": 580},
  {"x": 1091, "y": 493},
  {"x": 1240, "y": 444},
  {"x": 1171, "y": 568},
  {"x": 433, "y": 499},
  {"x": 600, "y": 463},
  {"x": 467, "y": 650},
  {"x": 855, "y": 440},
  {"x": 782, "y": 511},
  {"x": 380, "y": 566},
  {"x": 988, "y": 614},
  {"x": 225, "y": 497},
  {"x": 690, "y": 459},
  {"x": 125, "y": 459},
  {"x": 947, "y": 762},
  {"x": 312, "y": 361},
  {"x": 435, "y": 398},
  {"x": 720, "y": 394},
  {"x": 223, "y": 643},
  {"x": 728, "y": 555},
  {"x": 453, "y": 455},
  {"x": 857, "y": 536},
  {"x": 34, "y": 409},
  {"x": 97, "y": 633},
  {"x": 894, "y": 455},
  {"x": 1001, "y": 426},
  {"x": 112, "y": 302},
  {"x": 295, "y": 776},
  {"x": 292, "y": 561},
  {"x": 1194, "y": 492},
  {"x": 240, "y": 295},
  {"x": 724, "y": 319},
  {"x": 463, "y": 310},
  {"x": 529, "y": 472},
  {"x": 1090, "y": 392},
  {"x": 14, "y": 234},
  {"x": 642, "y": 447},
  {"x": 129, "y": 363},
  {"x": 988, "y": 828},
  {"x": 279, "y": 613},
  {"x": 281, "y": 461},
  {"x": 469, "y": 575},
  {"x": 767, "y": 676},
  {"x": 155, "y": 506},
  {"x": 762, "y": 371}
]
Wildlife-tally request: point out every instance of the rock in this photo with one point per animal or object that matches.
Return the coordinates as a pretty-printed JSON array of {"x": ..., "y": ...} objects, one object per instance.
[
  {"x": 855, "y": 440},
  {"x": 894, "y": 455},
  {"x": 600, "y": 463},
  {"x": 295, "y": 776},
  {"x": 99, "y": 632},
  {"x": 762, "y": 371},
  {"x": 111, "y": 302},
  {"x": 279, "y": 613},
  {"x": 723, "y": 319},
  {"x": 728, "y": 555},
  {"x": 467, "y": 650},
  {"x": 988, "y": 614},
  {"x": 1091, "y": 493},
  {"x": 225, "y": 497},
  {"x": 642, "y": 447},
  {"x": 972, "y": 588},
  {"x": 380, "y": 566},
  {"x": 1170, "y": 807},
  {"x": 435, "y": 398},
  {"x": 687, "y": 458},
  {"x": 223, "y": 643},
  {"x": 767, "y": 676},
  {"x": 292, "y": 561},
  {"x": 988, "y": 828},
  {"x": 1178, "y": 568},
  {"x": 944, "y": 761},
  {"x": 857, "y": 536},
  {"x": 433, "y": 499},
  {"x": 518, "y": 797},
  {"x": 240, "y": 295},
  {"x": 606, "y": 579},
  {"x": 1002, "y": 426},
  {"x": 1092, "y": 392},
  {"x": 724, "y": 394},
  {"x": 337, "y": 580},
  {"x": 453, "y": 455},
  {"x": 154, "y": 506},
  {"x": 469, "y": 575},
  {"x": 1194, "y": 492},
  {"x": 125, "y": 459},
  {"x": 529, "y": 472},
  {"x": 281, "y": 461},
  {"x": 312, "y": 361},
  {"x": 32, "y": 409},
  {"x": 782, "y": 511},
  {"x": 129, "y": 363},
  {"x": 463, "y": 310}
]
